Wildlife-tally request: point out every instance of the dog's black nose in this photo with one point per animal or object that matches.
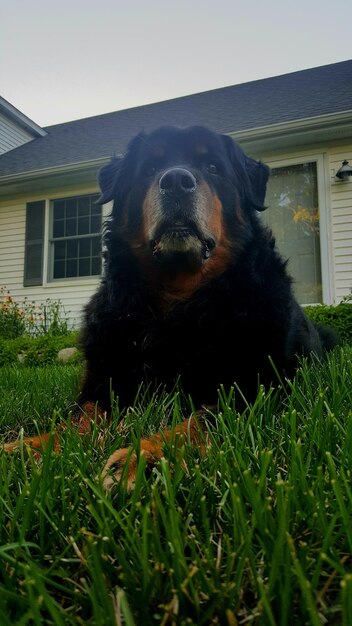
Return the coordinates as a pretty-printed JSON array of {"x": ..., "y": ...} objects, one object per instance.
[{"x": 177, "y": 182}]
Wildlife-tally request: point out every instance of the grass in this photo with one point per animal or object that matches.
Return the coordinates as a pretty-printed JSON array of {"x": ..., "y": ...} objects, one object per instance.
[
  {"x": 31, "y": 395},
  {"x": 258, "y": 531}
]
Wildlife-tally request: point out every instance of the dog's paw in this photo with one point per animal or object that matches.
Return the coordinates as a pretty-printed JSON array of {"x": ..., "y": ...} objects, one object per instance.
[
  {"x": 121, "y": 463},
  {"x": 121, "y": 466}
]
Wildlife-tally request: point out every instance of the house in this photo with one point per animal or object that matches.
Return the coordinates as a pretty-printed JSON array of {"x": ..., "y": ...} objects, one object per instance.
[{"x": 298, "y": 123}]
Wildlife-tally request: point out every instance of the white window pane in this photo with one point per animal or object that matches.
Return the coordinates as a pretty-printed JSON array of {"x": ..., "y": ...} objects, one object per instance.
[
  {"x": 76, "y": 237},
  {"x": 293, "y": 216}
]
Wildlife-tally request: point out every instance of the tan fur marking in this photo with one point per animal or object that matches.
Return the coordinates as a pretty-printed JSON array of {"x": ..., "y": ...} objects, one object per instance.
[
  {"x": 82, "y": 422},
  {"x": 140, "y": 239},
  {"x": 200, "y": 150},
  {"x": 123, "y": 462},
  {"x": 37, "y": 443},
  {"x": 182, "y": 286},
  {"x": 239, "y": 215}
]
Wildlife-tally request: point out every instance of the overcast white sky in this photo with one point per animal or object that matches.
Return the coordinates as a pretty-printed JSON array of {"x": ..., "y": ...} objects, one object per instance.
[{"x": 67, "y": 59}]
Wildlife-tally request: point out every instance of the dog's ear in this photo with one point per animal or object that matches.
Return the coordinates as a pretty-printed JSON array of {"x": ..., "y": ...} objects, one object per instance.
[
  {"x": 252, "y": 175},
  {"x": 258, "y": 174},
  {"x": 112, "y": 184},
  {"x": 108, "y": 177}
]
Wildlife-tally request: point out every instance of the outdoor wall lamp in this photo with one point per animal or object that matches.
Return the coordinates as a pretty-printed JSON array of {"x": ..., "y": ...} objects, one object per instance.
[{"x": 345, "y": 172}]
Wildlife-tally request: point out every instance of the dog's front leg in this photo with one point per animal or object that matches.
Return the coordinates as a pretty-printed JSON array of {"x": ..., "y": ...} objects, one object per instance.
[
  {"x": 122, "y": 464},
  {"x": 82, "y": 420}
]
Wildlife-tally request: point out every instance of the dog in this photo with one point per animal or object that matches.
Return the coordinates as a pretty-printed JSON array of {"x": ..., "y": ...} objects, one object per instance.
[{"x": 194, "y": 287}]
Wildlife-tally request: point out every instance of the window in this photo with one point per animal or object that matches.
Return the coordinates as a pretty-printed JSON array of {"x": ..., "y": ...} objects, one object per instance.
[
  {"x": 75, "y": 237},
  {"x": 293, "y": 216}
]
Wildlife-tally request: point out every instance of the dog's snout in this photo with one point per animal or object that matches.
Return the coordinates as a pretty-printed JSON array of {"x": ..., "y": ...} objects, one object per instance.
[{"x": 177, "y": 182}]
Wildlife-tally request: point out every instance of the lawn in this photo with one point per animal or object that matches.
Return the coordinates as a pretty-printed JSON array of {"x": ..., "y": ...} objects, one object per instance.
[{"x": 258, "y": 531}]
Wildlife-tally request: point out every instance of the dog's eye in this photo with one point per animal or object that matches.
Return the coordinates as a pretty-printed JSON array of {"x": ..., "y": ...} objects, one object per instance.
[{"x": 212, "y": 168}]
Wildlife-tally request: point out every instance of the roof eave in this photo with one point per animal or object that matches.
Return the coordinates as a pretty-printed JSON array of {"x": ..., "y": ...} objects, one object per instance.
[
  {"x": 51, "y": 178},
  {"x": 317, "y": 129},
  {"x": 259, "y": 140},
  {"x": 10, "y": 111},
  {"x": 52, "y": 171}
]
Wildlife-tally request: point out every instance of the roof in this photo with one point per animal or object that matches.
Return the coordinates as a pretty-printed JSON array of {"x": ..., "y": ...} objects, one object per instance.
[
  {"x": 296, "y": 96},
  {"x": 19, "y": 118}
]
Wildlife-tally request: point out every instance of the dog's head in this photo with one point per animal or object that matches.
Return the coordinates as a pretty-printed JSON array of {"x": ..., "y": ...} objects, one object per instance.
[{"x": 183, "y": 194}]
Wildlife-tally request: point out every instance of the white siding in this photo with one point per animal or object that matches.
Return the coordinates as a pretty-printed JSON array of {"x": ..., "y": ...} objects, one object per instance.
[
  {"x": 73, "y": 293},
  {"x": 341, "y": 218},
  {"x": 12, "y": 135}
]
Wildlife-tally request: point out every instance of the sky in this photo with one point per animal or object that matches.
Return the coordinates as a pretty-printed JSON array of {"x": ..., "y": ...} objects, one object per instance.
[{"x": 70, "y": 59}]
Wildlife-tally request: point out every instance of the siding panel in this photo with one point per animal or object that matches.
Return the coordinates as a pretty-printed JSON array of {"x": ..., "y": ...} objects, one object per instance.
[
  {"x": 73, "y": 294},
  {"x": 341, "y": 223},
  {"x": 11, "y": 134}
]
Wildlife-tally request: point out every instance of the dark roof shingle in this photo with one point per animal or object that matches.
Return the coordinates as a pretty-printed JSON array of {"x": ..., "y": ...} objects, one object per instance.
[{"x": 299, "y": 95}]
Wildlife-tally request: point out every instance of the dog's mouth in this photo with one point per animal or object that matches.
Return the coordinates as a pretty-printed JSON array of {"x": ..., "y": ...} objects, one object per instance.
[{"x": 181, "y": 238}]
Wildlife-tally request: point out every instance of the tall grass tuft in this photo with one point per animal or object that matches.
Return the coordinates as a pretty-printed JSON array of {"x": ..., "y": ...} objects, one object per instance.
[{"x": 256, "y": 531}]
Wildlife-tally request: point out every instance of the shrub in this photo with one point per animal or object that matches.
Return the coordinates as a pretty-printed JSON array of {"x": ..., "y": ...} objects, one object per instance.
[
  {"x": 37, "y": 351},
  {"x": 337, "y": 317},
  {"x": 7, "y": 355}
]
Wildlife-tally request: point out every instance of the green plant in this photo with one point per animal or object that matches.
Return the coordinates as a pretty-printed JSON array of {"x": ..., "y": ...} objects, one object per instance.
[
  {"x": 53, "y": 318},
  {"x": 256, "y": 531},
  {"x": 30, "y": 394},
  {"x": 37, "y": 351},
  {"x": 337, "y": 317},
  {"x": 12, "y": 318},
  {"x": 28, "y": 317}
]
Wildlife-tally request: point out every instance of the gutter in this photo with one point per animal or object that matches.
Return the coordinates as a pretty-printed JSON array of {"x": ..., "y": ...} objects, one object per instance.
[
  {"x": 53, "y": 171},
  {"x": 315, "y": 128},
  {"x": 333, "y": 126},
  {"x": 290, "y": 127}
]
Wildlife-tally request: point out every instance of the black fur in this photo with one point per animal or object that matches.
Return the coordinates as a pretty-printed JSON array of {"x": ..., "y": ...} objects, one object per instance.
[{"x": 225, "y": 332}]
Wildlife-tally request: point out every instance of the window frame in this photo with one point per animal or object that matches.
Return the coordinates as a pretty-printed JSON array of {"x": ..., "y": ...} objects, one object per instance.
[
  {"x": 325, "y": 231},
  {"x": 48, "y": 262}
]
